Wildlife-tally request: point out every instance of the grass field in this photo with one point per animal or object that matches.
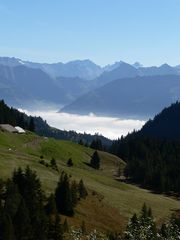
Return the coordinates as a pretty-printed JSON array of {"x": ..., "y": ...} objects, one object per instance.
[{"x": 114, "y": 201}]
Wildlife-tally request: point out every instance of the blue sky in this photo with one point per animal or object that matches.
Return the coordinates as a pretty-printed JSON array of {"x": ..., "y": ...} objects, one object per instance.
[{"x": 104, "y": 31}]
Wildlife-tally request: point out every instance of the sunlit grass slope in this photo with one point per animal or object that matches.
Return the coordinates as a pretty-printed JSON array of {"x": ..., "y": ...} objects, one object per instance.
[{"x": 118, "y": 200}]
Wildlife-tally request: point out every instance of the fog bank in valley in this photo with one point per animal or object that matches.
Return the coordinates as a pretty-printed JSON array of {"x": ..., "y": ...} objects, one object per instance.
[{"x": 108, "y": 126}]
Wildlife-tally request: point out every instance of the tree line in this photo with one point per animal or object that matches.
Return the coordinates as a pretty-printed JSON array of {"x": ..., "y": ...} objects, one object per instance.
[
  {"x": 151, "y": 162},
  {"x": 15, "y": 118}
]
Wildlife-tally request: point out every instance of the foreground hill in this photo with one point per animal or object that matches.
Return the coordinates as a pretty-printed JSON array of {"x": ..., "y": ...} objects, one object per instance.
[
  {"x": 111, "y": 201},
  {"x": 138, "y": 97}
]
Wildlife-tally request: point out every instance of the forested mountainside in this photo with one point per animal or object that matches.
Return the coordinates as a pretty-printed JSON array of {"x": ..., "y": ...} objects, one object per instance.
[
  {"x": 165, "y": 124},
  {"x": 14, "y": 117},
  {"x": 153, "y": 153}
]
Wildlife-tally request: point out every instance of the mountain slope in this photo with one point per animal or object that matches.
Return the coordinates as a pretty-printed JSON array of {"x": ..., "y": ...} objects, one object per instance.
[
  {"x": 165, "y": 124},
  {"x": 152, "y": 153},
  {"x": 117, "y": 71},
  {"x": 139, "y": 97},
  {"x": 23, "y": 86},
  {"x": 115, "y": 201},
  {"x": 27, "y": 83}
]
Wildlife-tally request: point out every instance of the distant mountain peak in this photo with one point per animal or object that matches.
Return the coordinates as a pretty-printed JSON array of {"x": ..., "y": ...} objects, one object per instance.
[
  {"x": 165, "y": 65},
  {"x": 111, "y": 67},
  {"x": 137, "y": 65}
]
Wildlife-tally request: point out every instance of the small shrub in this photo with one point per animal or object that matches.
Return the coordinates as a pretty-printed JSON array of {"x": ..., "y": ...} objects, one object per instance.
[{"x": 70, "y": 162}]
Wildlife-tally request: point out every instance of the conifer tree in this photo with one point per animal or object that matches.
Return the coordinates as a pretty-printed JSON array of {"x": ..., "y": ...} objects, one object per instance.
[
  {"x": 6, "y": 226},
  {"x": 82, "y": 190},
  {"x": 63, "y": 196},
  {"x": 12, "y": 199},
  {"x": 30, "y": 188},
  {"x": 95, "y": 160},
  {"x": 144, "y": 211},
  {"x": 22, "y": 222},
  {"x": 142, "y": 227}
]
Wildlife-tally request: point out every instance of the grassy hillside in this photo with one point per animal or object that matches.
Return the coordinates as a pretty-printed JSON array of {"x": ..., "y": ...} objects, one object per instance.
[{"x": 109, "y": 201}]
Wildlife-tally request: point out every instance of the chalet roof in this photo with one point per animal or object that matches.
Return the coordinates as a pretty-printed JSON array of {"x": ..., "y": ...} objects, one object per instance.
[
  {"x": 19, "y": 129},
  {"x": 8, "y": 128}
]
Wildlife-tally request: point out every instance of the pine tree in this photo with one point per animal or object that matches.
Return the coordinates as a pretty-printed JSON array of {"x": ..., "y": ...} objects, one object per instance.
[
  {"x": 144, "y": 211},
  {"x": 30, "y": 188},
  {"x": 22, "y": 222},
  {"x": 63, "y": 196},
  {"x": 95, "y": 160},
  {"x": 142, "y": 227},
  {"x": 12, "y": 199},
  {"x": 6, "y": 226},
  {"x": 82, "y": 190}
]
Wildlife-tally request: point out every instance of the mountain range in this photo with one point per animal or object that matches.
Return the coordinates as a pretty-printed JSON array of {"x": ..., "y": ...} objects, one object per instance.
[
  {"x": 83, "y": 87},
  {"x": 138, "y": 97}
]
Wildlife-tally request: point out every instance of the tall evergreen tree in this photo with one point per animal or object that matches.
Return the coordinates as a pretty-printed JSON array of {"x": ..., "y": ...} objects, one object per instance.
[
  {"x": 6, "y": 226},
  {"x": 63, "y": 196},
  {"x": 30, "y": 188},
  {"x": 12, "y": 199},
  {"x": 95, "y": 160},
  {"x": 22, "y": 222}
]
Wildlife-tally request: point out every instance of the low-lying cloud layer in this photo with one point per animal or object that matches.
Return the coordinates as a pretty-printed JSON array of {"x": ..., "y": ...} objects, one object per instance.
[{"x": 107, "y": 126}]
